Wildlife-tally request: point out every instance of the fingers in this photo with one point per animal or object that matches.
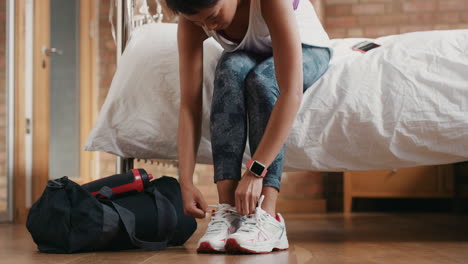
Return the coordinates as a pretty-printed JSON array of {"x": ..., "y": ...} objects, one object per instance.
[
  {"x": 202, "y": 204},
  {"x": 194, "y": 212},
  {"x": 246, "y": 203},
  {"x": 194, "y": 204},
  {"x": 253, "y": 204},
  {"x": 200, "y": 207},
  {"x": 198, "y": 213}
]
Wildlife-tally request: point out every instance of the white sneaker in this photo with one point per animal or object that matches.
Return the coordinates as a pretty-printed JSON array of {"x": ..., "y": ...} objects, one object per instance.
[
  {"x": 224, "y": 221},
  {"x": 259, "y": 233}
]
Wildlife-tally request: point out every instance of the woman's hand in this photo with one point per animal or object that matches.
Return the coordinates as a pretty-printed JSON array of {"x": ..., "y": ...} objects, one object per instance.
[
  {"x": 247, "y": 193},
  {"x": 194, "y": 203}
]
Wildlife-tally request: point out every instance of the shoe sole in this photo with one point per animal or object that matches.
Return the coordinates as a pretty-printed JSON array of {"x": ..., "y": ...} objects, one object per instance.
[
  {"x": 205, "y": 247},
  {"x": 232, "y": 246}
]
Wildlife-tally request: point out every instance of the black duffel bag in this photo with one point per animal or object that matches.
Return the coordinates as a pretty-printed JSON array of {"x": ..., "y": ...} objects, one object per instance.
[{"x": 68, "y": 219}]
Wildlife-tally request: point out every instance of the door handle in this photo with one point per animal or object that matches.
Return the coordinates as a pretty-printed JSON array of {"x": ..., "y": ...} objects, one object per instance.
[{"x": 48, "y": 52}]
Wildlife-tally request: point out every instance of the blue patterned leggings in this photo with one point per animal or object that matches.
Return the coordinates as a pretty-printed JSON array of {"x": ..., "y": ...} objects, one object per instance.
[{"x": 245, "y": 91}]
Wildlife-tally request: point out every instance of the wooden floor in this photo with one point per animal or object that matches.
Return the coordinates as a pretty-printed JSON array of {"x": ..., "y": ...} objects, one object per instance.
[{"x": 326, "y": 238}]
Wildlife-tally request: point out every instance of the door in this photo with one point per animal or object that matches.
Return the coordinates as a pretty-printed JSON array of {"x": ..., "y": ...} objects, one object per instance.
[{"x": 64, "y": 81}]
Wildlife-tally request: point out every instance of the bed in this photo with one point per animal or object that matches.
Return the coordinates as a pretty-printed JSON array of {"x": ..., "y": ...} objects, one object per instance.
[{"x": 404, "y": 104}]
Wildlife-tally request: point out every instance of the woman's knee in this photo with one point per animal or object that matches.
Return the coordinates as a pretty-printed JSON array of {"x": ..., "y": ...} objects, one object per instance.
[
  {"x": 228, "y": 93},
  {"x": 233, "y": 65},
  {"x": 316, "y": 61},
  {"x": 261, "y": 84}
]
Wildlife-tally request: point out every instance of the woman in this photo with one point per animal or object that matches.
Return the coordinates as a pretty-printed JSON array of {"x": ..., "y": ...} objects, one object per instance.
[{"x": 253, "y": 89}]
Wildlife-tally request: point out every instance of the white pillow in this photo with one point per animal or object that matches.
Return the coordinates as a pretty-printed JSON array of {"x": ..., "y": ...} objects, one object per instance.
[{"x": 140, "y": 114}]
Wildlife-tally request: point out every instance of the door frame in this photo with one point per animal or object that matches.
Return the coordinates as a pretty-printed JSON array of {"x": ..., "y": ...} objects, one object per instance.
[
  {"x": 89, "y": 15},
  {"x": 19, "y": 167},
  {"x": 40, "y": 102}
]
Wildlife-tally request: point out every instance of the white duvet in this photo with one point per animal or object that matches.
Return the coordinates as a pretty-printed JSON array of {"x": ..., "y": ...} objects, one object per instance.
[{"x": 401, "y": 105}]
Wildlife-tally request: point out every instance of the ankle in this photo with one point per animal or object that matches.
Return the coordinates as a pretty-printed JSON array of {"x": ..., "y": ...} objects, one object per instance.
[
  {"x": 269, "y": 203},
  {"x": 226, "y": 191},
  {"x": 270, "y": 211}
]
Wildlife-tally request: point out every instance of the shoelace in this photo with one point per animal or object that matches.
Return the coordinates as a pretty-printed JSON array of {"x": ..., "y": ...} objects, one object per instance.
[
  {"x": 254, "y": 220},
  {"x": 218, "y": 221}
]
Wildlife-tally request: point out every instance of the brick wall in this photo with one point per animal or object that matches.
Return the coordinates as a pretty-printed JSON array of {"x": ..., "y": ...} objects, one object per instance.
[
  {"x": 3, "y": 176},
  {"x": 374, "y": 18}
]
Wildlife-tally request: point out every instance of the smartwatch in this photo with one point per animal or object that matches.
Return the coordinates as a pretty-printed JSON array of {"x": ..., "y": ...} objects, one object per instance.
[{"x": 257, "y": 168}]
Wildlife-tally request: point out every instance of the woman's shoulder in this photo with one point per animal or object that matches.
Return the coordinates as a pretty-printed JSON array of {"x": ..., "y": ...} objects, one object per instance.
[{"x": 190, "y": 32}]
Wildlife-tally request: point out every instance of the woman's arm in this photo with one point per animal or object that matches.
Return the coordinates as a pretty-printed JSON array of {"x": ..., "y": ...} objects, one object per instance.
[
  {"x": 280, "y": 19},
  {"x": 190, "y": 44}
]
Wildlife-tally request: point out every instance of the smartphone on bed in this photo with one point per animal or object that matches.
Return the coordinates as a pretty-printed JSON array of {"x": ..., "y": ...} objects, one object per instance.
[{"x": 365, "y": 46}]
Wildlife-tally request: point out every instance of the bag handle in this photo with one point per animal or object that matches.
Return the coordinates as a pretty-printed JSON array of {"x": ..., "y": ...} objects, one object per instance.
[{"x": 167, "y": 219}]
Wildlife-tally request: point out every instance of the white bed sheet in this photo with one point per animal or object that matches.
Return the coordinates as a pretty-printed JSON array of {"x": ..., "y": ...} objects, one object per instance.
[{"x": 401, "y": 105}]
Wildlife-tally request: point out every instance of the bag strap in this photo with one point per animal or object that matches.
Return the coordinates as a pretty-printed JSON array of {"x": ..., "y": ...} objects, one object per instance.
[
  {"x": 167, "y": 216},
  {"x": 167, "y": 219}
]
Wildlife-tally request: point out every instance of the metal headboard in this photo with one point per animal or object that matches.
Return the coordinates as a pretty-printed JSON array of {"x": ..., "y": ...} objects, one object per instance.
[{"x": 131, "y": 14}]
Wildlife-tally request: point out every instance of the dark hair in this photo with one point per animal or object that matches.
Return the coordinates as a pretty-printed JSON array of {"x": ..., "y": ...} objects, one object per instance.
[{"x": 189, "y": 7}]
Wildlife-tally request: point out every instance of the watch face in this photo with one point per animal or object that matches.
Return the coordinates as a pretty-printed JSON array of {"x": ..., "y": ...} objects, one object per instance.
[{"x": 257, "y": 168}]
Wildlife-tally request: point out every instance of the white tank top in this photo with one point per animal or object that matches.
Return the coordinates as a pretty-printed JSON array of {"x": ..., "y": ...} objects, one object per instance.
[{"x": 257, "y": 38}]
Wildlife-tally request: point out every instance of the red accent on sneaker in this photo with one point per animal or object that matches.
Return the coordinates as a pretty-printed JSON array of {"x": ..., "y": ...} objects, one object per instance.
[
  {"x": 260, "y": 235},
  {"x": 205, "y": 247},
  {"x": 232, "y": 246},
  {"x": 278, "y": 218},
  {"x": 279, "y": 249}
]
